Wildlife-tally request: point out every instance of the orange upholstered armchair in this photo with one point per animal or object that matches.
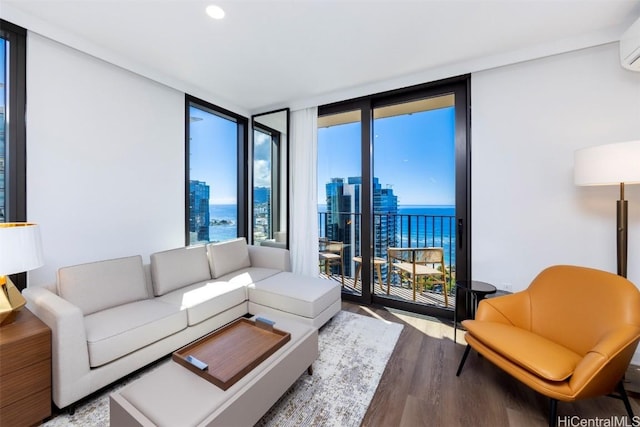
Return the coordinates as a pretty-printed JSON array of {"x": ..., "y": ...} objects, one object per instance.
[{"x": 570, "y": 335}]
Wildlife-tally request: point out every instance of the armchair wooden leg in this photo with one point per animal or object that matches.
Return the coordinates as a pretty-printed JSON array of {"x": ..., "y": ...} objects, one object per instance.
[
  {"x": 553, "y": 412},
  {"x": 464, "y": 359}
]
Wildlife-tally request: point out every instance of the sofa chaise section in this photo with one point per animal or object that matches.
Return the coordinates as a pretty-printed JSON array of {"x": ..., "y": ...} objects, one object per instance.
[{"x": 309, "y": 299}]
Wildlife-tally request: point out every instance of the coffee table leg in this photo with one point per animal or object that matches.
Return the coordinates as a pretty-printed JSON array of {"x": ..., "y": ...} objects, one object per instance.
[{"x": 310, "y": 370}]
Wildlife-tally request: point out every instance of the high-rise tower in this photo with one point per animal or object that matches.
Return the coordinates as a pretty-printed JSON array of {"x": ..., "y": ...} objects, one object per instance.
[
  {"x": 199, "y": 211},
  {"x": 343, "y": 217}
]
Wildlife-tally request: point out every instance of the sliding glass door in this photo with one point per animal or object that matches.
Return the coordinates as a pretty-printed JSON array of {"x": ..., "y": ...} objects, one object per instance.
[
  {"x": 403, "y": 212},
  {"x": 414, "y": 197},
  {"x": 340, "y": 197}
]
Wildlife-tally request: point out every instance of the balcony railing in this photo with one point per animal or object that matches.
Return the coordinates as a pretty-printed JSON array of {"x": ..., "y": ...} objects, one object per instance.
[{"x": 390, "y": 230}]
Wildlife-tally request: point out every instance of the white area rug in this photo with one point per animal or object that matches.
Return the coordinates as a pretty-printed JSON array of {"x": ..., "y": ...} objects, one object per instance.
[{"x": 354, "y": 351}]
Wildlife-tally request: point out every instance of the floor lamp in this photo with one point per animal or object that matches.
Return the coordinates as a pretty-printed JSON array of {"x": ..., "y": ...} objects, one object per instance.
[
  {"x": 611, "y": 164},
  {"x": 20, "y": 251}
]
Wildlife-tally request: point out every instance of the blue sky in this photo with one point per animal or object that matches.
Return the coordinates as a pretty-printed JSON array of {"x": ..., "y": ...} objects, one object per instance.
[
  {"x": 213, "y": 156},
  {"x": 214, "y": 153},
  {"x": 2, "y": 71},
  {"x": 414, "y": 154}
]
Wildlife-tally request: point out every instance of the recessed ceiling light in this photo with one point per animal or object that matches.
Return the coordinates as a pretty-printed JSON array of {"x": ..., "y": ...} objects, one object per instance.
[{"x": 215, "y": 12}]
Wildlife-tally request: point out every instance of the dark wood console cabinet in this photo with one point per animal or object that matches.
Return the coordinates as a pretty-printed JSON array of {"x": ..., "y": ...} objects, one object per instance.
[{"x": 25, "y": 371}]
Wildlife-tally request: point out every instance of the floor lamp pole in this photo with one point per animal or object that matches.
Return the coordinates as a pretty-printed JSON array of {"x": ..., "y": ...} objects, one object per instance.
[{"x": 621, "y": 211}]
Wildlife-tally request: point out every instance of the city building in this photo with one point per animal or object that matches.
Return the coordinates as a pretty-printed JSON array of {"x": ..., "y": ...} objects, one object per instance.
[
  {"x": 343, "y": 218},
  {"x": 263, "y": 224},
  {"x": 199, "y": 209}
]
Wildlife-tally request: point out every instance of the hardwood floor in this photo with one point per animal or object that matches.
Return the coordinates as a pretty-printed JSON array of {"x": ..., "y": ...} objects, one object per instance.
[{"x": 419, "y": 386}]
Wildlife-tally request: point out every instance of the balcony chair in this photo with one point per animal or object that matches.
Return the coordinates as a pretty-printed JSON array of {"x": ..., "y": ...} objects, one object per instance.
[
  {"x": 414, "y": 263},
  {"x": 570, "y": 335},
  {"x": 330, "y": 254}
]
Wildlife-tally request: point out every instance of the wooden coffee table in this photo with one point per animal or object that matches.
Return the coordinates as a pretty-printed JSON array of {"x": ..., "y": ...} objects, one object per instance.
[{"x": 232, "y": 351}]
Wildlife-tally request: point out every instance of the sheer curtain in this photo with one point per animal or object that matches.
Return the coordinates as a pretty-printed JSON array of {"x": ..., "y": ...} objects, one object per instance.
[{"x": 304, "y": 192}]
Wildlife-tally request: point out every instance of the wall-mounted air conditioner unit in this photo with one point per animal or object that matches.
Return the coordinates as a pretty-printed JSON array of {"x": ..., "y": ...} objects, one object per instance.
[{"x": 630, "y": 47}]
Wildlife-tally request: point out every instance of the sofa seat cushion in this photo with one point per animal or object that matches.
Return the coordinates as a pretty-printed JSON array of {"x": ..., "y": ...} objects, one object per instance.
[
  {"x": 101, "y": 285},
  {"x": 175, "y": 268},
  {"x": 300, "y": 295},
  {"x": 531, "y": 351},
  {"x": 121, "y": 330},
  {"x": 247, "y": 276},
  {"x": 204, "y": 300},
  {"x": 228, "y": 256}
]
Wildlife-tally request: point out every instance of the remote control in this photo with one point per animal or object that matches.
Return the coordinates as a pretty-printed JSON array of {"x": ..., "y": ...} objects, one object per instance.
[
  {"x": 266, "y": 321},
  {"x": 197, "y": 363}
]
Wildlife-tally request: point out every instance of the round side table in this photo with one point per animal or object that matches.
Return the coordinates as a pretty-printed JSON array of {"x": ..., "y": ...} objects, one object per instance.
[{"x": 477, "y": 291}]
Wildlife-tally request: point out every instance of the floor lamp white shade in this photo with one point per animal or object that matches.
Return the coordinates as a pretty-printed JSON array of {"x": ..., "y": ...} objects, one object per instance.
[{"x": 611, "y": 164}]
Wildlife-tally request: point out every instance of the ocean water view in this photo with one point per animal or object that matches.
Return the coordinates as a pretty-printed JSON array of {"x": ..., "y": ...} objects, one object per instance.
[
  {"x": 223, "y": 222},
  {"x": 420, "y": 226},
  {"x": 416, "y": 225},
  {"x": 434, "y": 226}
]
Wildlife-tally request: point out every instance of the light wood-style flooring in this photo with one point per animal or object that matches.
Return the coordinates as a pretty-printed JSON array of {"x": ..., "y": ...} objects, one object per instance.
[{"x": 419, "y": 386}]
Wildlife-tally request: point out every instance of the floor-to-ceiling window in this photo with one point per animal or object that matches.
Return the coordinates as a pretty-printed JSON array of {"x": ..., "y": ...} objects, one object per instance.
[
  {"x": 13, "y": 176},
  {"x": 3, "y": 124},
  {"x": 270, "y": 178},
  {"x": 266, "y": 175},
  {"x": 216, "y": 173},
  {"x": 408, "y": 189}
]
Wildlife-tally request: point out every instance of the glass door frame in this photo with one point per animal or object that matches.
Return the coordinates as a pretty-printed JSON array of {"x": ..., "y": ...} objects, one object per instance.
[{"x": 460, "y": 87}]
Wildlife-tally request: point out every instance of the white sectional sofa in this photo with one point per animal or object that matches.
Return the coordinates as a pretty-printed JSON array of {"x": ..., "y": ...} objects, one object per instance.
[{"x": 112, "y": 317}]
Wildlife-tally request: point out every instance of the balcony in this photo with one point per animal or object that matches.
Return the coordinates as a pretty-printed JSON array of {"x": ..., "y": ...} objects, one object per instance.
[{"x": 392, "y": 230}]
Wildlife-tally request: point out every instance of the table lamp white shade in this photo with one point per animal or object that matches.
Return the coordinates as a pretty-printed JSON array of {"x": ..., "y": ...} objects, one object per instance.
[
  {"x": 20, "y": 247},
  {"x": 20, "y": 251},
  {"x": 609, "y": 164}
]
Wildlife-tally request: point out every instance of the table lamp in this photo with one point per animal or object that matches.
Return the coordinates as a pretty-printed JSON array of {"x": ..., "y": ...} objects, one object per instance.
[
  {"x": 20, "y": 251},
  {"x": 611, "y": 164}
]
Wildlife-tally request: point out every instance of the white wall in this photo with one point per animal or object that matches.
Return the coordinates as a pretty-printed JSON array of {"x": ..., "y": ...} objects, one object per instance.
[
  {"x": 105, "y": 159},
  {"x": 527, "y": 120},
  {"x": 106, "y": 162}
]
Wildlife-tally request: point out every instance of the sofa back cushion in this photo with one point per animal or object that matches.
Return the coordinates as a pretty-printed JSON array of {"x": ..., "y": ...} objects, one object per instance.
[
  {"x": 176, "y": 268},
  {"x": 228, "y": 256},
  {"x": 100, "y": 285}
]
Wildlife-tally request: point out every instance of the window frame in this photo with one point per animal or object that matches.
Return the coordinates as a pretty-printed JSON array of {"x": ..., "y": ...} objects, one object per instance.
[
  {"x": 276, "y": 169},
  {"x": 16, "y": 130},
  {"x": 242, "y": 161}
]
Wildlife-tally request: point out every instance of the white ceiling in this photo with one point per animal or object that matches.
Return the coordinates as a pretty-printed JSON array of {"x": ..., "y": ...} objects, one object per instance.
[{"x": 272, "y": 53}]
